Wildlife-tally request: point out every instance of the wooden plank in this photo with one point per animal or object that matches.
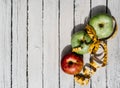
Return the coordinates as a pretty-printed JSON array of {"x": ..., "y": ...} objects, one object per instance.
[
  {"x": 99, "y": 78},
  {"x": 113, "y": 68},
  {"x": 51, "y": 56},
  {"x": 19, "y": 42},
  {"x": 66, "y": 29},
  {"x": 35, "y": 44},
  {"x": 82, "y": 9},
  {"x": 5, "y": 44}
]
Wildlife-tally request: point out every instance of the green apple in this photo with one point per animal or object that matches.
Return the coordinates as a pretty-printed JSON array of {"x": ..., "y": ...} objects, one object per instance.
[
  {"x": 81, "y": 40},
  {"x": 103, "y": 25}
]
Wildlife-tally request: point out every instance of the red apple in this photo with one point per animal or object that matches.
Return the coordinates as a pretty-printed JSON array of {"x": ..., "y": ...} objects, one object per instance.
[{"x": 72, "y": 63}]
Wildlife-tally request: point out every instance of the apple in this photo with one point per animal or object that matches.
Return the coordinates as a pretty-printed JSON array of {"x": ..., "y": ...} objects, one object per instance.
[
  {"x": 72, "y": 63},
  {"x": 81, "y": 40},
  {"x": 102, "y": 24}
]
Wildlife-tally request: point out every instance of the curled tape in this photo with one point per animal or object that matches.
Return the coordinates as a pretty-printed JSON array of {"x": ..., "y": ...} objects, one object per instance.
[{"x": 97, "y": 59}]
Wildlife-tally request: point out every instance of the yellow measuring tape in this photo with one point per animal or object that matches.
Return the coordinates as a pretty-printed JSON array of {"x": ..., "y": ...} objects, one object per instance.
[{"x": 95, "y": 61}]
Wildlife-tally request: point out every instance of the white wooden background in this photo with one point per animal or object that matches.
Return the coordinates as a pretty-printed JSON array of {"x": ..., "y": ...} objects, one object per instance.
[{"x": 35, "y": 34}]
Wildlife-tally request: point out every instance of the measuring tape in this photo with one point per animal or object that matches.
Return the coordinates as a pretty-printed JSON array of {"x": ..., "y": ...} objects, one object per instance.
[{"x": 97, "y": 59}]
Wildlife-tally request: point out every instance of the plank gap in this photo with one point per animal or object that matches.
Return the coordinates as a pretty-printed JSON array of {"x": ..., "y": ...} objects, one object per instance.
[
  {"x": 59, "y": 44},
  {"x": 106, "y": 6},
  {"x": 27, "y": 45},
  {"x": 11, "y": 43},
  {"x": 42, "y": 44}
]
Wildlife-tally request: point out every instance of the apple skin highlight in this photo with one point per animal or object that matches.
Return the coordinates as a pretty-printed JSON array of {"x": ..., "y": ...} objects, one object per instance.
[
  {"x": 72, "y": 63},
  {"x": 103, "y": 25}
]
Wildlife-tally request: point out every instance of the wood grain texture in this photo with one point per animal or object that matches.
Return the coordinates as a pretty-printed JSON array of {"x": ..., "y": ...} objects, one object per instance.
[
  {"x": 5, "y": 44},
  {"x": 113, "y": 68},
  {"x": 51, "y": 57},
  {"x": 19, "y": 43},
  {"x": 36, "y": 34},
  {"x": 66, "y": 29},
  {"x": 99, "y": 78},
  {"x": 82, "y": 11},
  {"x": 35, "y": 44}
]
